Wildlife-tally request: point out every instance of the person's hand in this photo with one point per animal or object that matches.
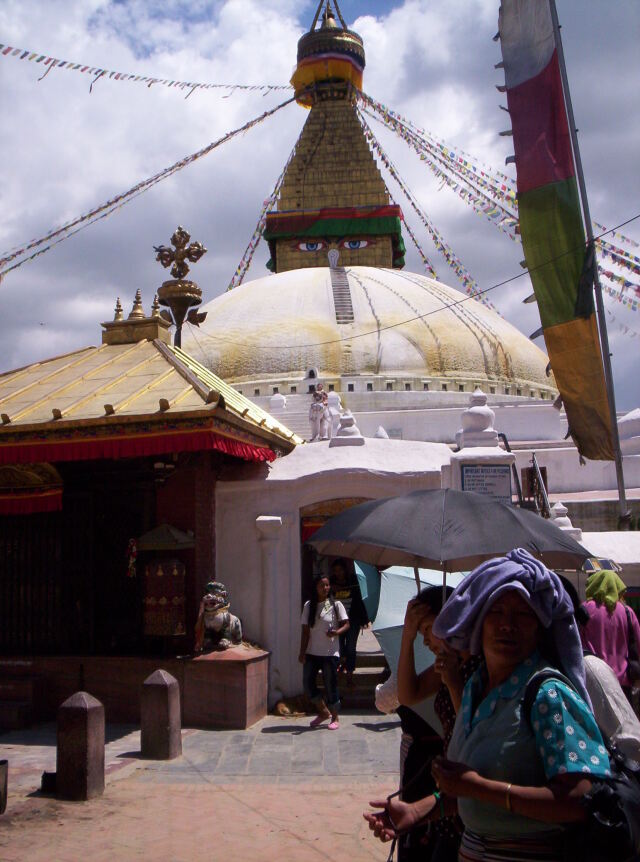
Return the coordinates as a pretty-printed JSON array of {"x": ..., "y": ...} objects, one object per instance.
[
  {"x": 395, "y": 817},
  {"x": 455, "y": 779},
  {"x": 301, "y": 657},
  {"x": 447, "y": 664},
  {"x": 415, "y": 613},
  {"x": 331, "y": 633}
]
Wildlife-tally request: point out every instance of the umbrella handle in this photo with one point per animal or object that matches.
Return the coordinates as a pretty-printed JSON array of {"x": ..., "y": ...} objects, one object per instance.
[
  {"x": 444, "y": 586},
  {"x": 416, "y": 575}
]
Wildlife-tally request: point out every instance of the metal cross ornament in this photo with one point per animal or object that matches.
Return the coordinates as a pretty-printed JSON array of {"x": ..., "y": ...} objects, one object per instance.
[{"x": 180, "y": 254}]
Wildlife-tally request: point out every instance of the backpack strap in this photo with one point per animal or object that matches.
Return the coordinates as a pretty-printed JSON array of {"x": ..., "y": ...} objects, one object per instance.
[{"x": 533, "y": 686}]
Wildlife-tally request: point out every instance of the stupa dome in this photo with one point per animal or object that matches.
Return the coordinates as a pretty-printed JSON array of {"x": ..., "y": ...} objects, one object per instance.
[{"x": 351, "y": 323}]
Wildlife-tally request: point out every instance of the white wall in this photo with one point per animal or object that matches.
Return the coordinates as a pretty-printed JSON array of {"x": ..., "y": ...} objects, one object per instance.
[
  {"x": 521, "y": 422},
  {"x": 414, "y": 416}
]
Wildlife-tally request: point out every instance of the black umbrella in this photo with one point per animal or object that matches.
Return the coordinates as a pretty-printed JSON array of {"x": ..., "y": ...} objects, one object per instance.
[{"x": 444, "y": 529}]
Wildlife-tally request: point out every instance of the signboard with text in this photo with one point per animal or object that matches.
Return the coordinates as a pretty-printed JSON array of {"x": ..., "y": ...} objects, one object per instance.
[{"x": 492, "y": 480}]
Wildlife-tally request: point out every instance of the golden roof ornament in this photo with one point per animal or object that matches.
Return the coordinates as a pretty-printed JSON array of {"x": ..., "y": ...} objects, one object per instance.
[
  {"x": 331, "y": 58},
  {"x": 180, "y": 253},
  {"x": 329, "y": 19},
  {"x": 137, "y": 311},
  {"x": 179, "y": 294},
  {"x": 137, "y": 326}
]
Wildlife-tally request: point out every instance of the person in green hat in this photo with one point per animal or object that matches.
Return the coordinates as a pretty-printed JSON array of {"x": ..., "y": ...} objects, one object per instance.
[{"x": 612, "y": 632}]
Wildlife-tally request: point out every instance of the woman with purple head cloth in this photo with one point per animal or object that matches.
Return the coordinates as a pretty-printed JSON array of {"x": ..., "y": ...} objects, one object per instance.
[{"x": 517, "y": 780}]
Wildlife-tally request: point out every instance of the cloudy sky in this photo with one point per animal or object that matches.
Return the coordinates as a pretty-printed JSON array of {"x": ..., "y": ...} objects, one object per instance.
[{"x": 66, "y": 150}]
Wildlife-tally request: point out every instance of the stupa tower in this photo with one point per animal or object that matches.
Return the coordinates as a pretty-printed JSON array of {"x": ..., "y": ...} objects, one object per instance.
[
  {"x": 332, "y": 196},
  {"x": 338, "y": 308}
]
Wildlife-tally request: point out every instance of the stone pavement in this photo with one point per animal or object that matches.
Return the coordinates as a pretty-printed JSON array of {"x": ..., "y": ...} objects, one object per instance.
[{"x": 279, "y": 790}]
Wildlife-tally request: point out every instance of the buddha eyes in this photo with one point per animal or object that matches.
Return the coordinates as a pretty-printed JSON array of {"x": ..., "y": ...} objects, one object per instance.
[
  {"x": 320, "y": 244},
  {"x": 312, "y": 246}
]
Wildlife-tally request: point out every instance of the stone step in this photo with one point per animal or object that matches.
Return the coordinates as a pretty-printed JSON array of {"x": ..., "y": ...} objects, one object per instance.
[
  {"x": 371, "y": 659},
  {"x": 341, "y": 295},
  {"x": 365, "y": 677},
  {"x": 296, "y": 422}
]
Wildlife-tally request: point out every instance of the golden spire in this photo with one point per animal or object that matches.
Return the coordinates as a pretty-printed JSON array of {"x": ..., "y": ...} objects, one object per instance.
[{"x": 332, "y": 196}]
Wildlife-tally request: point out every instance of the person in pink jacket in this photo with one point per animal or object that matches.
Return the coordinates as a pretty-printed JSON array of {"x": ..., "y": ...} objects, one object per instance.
[{"x": 613, "y": 628}]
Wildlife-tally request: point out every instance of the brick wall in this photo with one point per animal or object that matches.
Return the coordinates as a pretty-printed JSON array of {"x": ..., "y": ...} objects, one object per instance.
[{"x": 332, "y": 167}]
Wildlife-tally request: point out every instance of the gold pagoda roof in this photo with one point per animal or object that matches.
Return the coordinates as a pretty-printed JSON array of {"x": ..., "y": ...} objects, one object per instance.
[{"x": 115, "y": 383}]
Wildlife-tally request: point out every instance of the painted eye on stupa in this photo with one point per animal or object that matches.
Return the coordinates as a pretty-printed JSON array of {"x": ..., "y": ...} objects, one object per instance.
[
  {"x": 354, "y": 244},
  {"x": 312, "y": 246}
]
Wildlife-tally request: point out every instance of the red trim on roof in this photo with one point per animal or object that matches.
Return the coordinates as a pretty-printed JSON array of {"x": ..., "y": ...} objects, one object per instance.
[
  {"x": 130, "y": 446},
  {"x": 307, "y": 217}
]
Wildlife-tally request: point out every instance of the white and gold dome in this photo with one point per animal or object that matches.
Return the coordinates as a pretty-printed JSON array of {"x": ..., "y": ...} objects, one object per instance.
[
  {"x": 364, "y": 329},
  {"x": 359, "y": 324}
]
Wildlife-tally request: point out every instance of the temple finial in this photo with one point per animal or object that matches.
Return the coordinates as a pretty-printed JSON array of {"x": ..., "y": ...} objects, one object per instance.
[
  {"x": 137, "y": 311},
  {"x": 180, "y": 253},
  {"x": 178, "y": 294},
  {"x": 118, "y": 315}
]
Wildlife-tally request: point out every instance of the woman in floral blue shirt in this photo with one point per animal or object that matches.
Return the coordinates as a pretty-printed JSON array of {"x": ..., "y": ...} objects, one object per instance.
[{"x": 516, "y": 780}]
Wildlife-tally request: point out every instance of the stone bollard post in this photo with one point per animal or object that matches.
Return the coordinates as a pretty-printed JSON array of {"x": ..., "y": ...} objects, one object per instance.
[
  {"x": 160, "y": 723},
  {"x": 80, "y": 755}
]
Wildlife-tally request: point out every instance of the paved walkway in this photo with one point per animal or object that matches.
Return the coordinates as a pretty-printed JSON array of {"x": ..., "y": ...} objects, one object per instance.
[{"x": 277, "y": 791}]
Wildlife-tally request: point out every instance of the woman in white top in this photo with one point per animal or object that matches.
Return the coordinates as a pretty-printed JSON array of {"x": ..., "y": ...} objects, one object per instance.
[{"x": 323, "y": 621}]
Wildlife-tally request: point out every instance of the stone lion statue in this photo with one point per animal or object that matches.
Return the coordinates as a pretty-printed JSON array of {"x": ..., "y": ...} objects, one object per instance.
[{"x": 216, "y": 628}]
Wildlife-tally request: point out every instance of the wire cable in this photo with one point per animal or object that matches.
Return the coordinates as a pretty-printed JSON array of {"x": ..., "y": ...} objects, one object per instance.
[{"x": 253, "y": 346}]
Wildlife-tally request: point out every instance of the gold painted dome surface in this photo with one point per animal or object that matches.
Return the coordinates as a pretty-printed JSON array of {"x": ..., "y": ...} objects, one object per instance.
[{"x": 278, "y": 327}]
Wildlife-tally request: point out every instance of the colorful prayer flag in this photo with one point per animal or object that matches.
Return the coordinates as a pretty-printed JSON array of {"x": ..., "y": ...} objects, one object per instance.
[{"x": 551, "y": 224}]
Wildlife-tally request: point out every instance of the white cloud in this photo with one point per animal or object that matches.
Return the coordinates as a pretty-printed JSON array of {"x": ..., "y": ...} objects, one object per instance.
[{"x": 64, "y": 150}]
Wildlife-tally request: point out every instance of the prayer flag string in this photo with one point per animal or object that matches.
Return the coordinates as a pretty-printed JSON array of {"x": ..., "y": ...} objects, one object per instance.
[
  {"x": 457, "y": 153},
  {"x": 267, "y": 205},
  {"x": 487, "y": 193},
  {"x": 99, "y": 73},
  {"x": 621, "y": 257},
  {"x": 496, "y": 184},
  {"x": 479, "y": 200},
  {"x": 491, "y": 181},
  {"x": 447, "y": 252},
  {"x": 622, "y": 327},
  {"x": 625, "y": 240},
  {"x": 72, "y": 227}
]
